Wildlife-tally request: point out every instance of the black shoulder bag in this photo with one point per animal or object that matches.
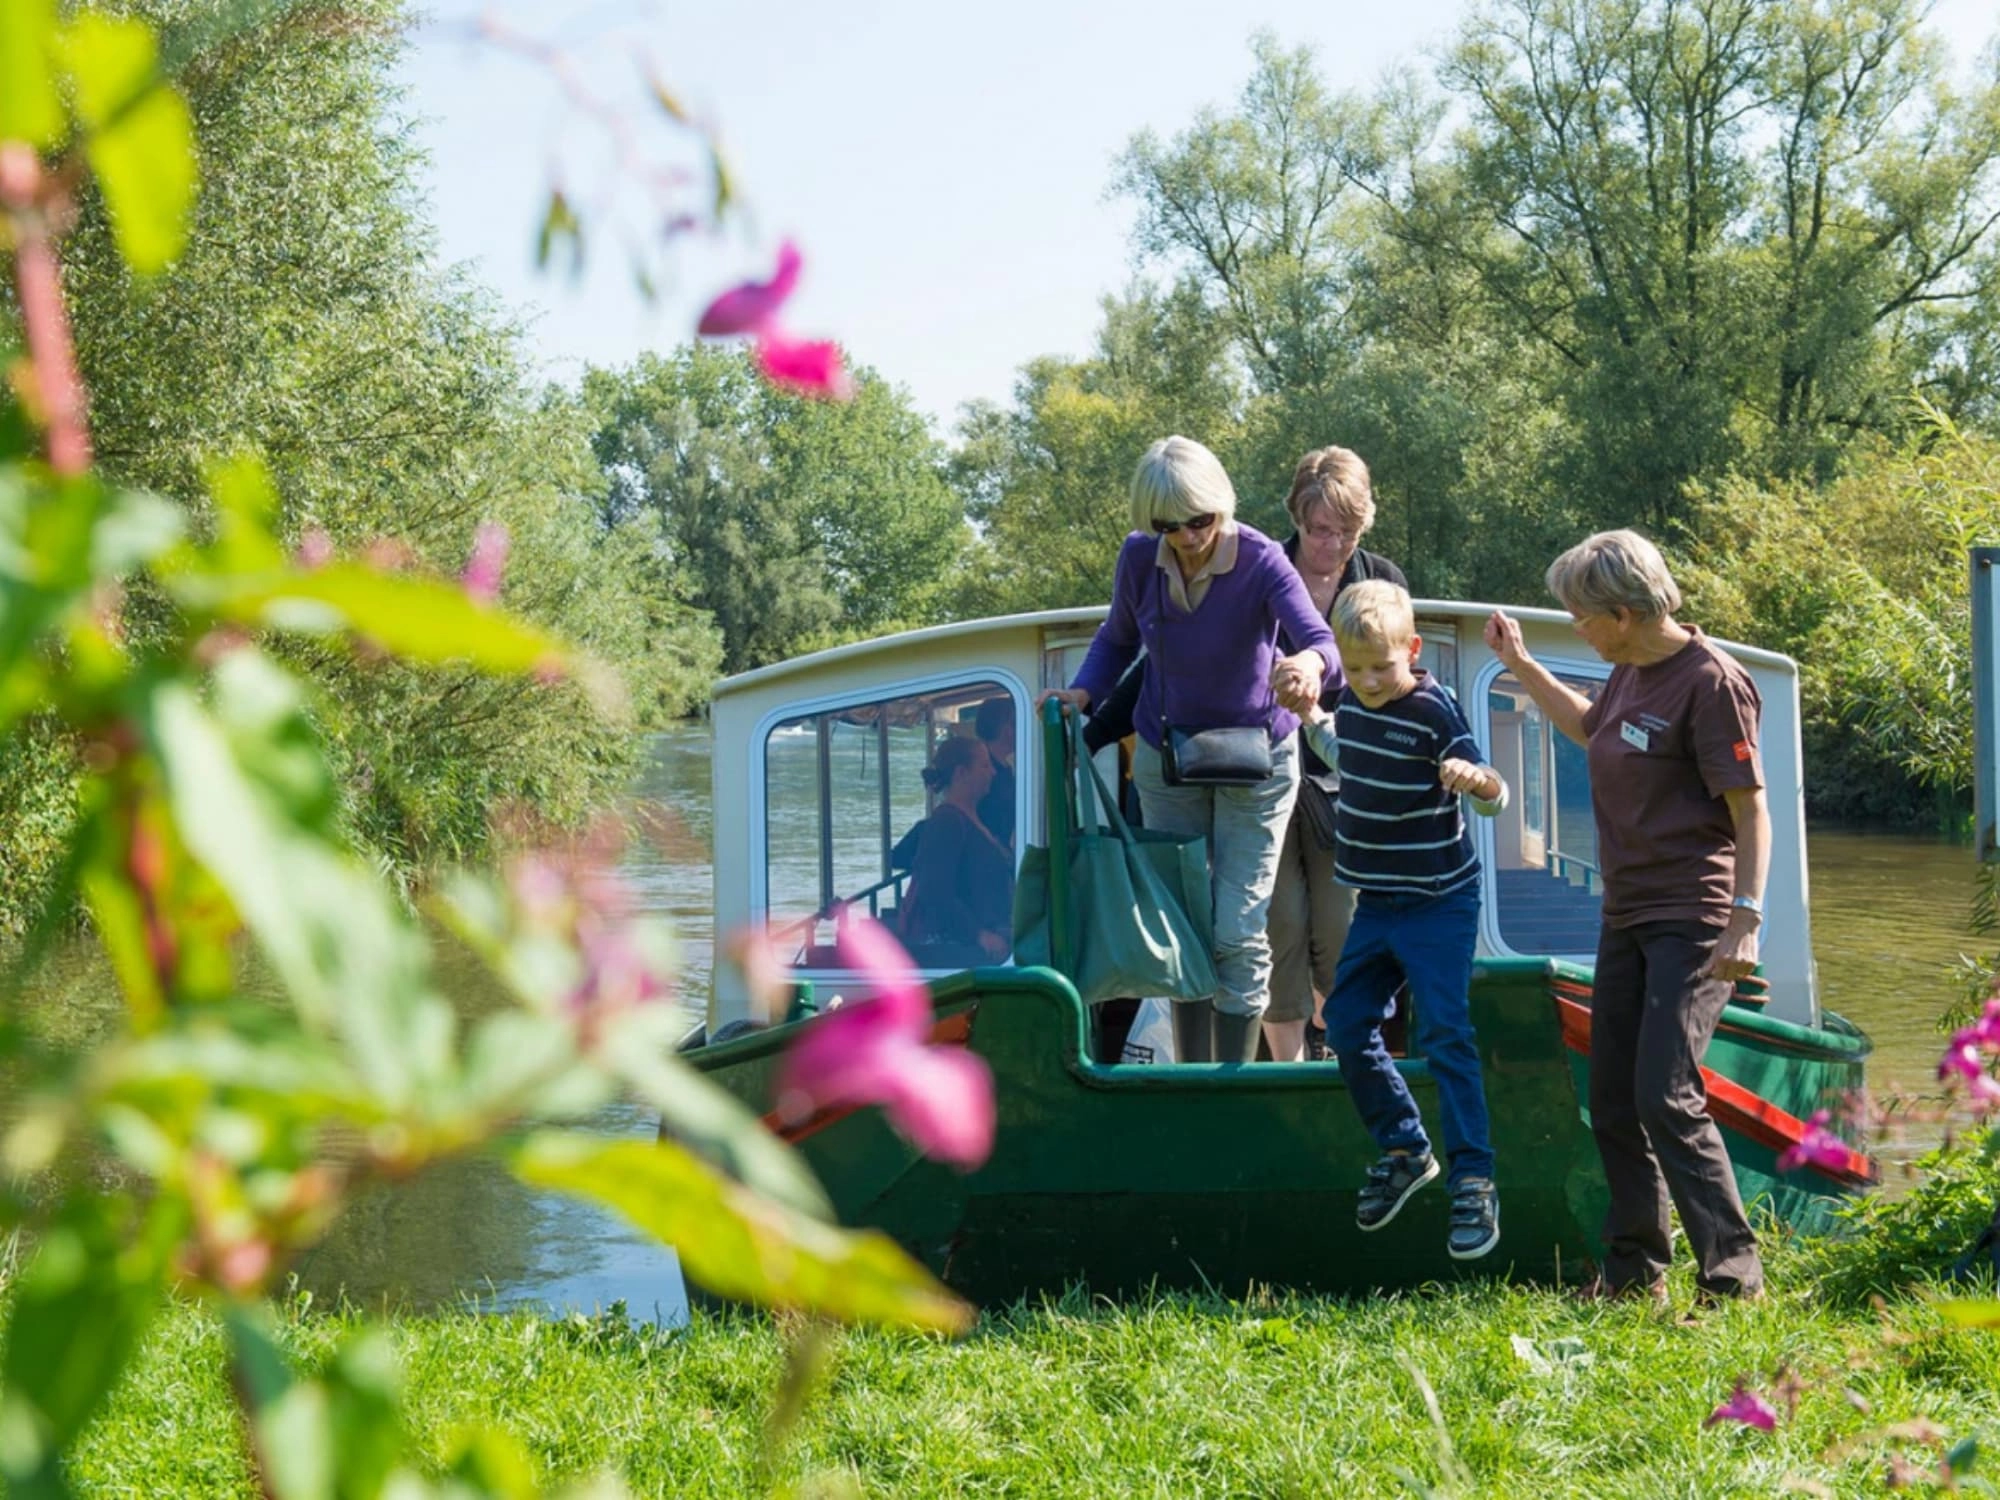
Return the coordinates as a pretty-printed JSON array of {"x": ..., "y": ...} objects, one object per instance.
[{"x": 1233, "y": 755}]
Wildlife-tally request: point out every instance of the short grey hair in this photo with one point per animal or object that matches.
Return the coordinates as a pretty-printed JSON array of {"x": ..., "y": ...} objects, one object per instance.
[
  {"x": 1614, "y": 570},
  {"x": 1179, "y": 478}
]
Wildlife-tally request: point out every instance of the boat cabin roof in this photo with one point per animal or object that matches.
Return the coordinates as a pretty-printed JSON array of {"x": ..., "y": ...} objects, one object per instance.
[{"x": 818, "y": 761}]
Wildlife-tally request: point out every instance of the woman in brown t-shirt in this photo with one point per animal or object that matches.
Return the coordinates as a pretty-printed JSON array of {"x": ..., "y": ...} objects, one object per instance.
[{"x": 1684, "y": 837}]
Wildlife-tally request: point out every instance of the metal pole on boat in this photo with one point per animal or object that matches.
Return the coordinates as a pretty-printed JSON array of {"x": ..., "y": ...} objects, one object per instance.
[{"x": 1058, "y": 777}]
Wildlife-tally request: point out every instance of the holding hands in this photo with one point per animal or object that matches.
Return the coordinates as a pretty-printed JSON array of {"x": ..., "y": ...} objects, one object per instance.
[{"x": 1296, "y": 680}]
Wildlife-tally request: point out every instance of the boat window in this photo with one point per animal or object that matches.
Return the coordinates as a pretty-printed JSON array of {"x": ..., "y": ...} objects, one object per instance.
[
  {"x": 846, "y": 812},
  {"x": 1546, "y": 883},
  {"x": 1440, "y": 654}
]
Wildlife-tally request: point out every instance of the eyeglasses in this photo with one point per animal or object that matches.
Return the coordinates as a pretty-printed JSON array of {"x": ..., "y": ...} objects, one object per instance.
[{"x": 1193, "y": 523}]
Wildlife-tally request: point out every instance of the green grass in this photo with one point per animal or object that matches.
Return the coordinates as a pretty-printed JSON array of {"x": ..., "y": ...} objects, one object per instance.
[{"x": 1173, "y": 1396}]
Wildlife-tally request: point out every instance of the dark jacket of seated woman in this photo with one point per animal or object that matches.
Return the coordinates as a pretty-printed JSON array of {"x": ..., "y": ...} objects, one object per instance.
[{"x": 959, "y": 909}]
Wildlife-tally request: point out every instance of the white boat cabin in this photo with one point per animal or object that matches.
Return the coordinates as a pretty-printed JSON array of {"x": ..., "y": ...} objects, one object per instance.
[{"x": 818, "y": 766}]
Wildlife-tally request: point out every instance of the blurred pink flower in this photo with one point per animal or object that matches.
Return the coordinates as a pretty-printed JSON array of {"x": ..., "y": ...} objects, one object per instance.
[
  {"x": 1746, "y": 1406},
  {"x": 481, "y": 578},
  {"x": 1985, "y": 1032},
  {"x": 1818, "y": 1147},
  {"x": 876, "y": 1051},
  {"x": 1966, "y": 1058},
  {"x": 315, "y": 549},
  {"x": 804, "y": 367},
  {"x": 753, "y": 306}
]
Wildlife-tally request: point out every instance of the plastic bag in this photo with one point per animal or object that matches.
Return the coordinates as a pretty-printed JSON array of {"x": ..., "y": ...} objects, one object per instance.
[{"x": 1151, "y": 1039}]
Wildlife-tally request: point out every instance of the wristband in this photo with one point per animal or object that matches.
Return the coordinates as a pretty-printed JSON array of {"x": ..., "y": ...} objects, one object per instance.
[{"x": 1750, "y": 904}]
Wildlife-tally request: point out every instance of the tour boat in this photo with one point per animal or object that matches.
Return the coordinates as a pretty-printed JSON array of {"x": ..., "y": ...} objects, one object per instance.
[{"x": 1122, "y": 1176}]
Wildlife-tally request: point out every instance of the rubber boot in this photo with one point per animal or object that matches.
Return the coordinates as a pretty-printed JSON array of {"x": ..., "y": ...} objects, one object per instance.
[
  {"x": 1236, "y": 1037},
  {"x": 1194, "y": 1031}
]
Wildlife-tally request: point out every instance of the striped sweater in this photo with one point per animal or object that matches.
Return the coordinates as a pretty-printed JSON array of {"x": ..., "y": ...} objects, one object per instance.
[{"x": 1397, "y": 830}]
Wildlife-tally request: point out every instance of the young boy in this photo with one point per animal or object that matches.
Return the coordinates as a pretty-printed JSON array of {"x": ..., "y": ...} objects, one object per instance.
[{"x": 1405, "y": 755}]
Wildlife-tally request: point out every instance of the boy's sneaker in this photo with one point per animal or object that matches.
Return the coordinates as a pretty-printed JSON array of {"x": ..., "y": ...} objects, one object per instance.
[
  {"x": 1390, "y": 1183},
  {"x": 1475, "y": 1218}
]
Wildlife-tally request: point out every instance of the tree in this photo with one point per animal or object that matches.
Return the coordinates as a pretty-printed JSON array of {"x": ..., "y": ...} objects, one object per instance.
[
  {"x": 784, "y": 518},
  {"x": 1047, "y": 479},
  {"x": 304, "y": 320},
  {"x": 1660, "y": 239}
]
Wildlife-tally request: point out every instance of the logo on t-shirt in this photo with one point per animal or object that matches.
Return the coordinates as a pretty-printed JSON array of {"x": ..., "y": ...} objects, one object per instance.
[{"x": 1744, "y": 749}]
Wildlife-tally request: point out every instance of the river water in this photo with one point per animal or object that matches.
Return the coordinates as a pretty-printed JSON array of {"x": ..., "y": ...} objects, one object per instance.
[{"x": 1891, "y": 916}]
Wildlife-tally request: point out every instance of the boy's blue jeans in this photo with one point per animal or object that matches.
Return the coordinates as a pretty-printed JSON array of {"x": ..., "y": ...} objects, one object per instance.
[{"x": 1428, "y": 940}]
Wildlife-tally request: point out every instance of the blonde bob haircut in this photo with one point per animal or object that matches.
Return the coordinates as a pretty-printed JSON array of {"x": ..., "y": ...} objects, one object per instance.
[
  {"x": 1337, "y": 479},
  {"x": 1374, "y": 612},
  {"x": 1614, "y": 570},
  {"x": 1179, "y": 478}
]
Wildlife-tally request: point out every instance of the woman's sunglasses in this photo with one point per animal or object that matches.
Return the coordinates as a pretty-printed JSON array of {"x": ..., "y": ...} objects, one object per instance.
[{"x": 1193, "y": 523}]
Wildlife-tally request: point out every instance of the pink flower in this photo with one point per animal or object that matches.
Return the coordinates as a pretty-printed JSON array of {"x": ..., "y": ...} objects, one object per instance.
[
  {"x": 805, "y": 367},
  {"x": 1965, "y": 1058},
  {"x": 876, "y": 1051},
  {"x": 1746, "y": 1406},
  {"x": 1818, "y": 1147},
  {"x": 1985, "y": 1032},
  {"x": 315, "y": 549},
  {"x": 481, "y": 578},
  {"x": 753, "y": 306}
]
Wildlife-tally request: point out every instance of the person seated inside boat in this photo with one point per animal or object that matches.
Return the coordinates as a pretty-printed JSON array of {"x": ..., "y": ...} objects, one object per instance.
[
  {"x": 1684, "y": 835},
  {"x": 958, "y": 911},
  {"x": 994, "y": 724},
  {"x": 1405, "y": 757}
]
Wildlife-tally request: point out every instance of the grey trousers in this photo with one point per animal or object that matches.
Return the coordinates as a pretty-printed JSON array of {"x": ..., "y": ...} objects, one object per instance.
[
  {"x": 1650, "y": 1024},
  {"x": 1245, "y": 829},
  {"x": 1309, "y": 917}
]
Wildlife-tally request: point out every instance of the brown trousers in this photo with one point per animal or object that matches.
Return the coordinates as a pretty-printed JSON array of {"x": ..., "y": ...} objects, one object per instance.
[{"x": 1651, "y": 1019}]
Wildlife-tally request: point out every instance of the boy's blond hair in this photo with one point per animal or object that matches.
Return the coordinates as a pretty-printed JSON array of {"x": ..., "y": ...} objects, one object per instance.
[{"x": 1374, "y": 612}]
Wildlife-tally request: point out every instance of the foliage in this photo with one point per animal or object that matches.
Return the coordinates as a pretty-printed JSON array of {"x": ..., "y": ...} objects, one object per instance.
[
  {"x": 1608, "y": 253},
  {"x": 1079, "y": 1397},
  {"x": 282, "y": 1043},
  {"x": 783, "y": 517},
  {"x": 1914, "y": 1237},
  {"x": 1865, "y": 583},
  {"x": 1047, "y": 480},
  {"x": 303, "y": 319}
]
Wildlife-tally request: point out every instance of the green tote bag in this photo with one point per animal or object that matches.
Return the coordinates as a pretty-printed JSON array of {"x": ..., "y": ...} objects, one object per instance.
[{"x": 1139, "y": 903}]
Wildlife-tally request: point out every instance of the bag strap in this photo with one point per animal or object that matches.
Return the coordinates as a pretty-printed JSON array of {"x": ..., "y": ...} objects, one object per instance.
[{"x": 1091, "y": 783}]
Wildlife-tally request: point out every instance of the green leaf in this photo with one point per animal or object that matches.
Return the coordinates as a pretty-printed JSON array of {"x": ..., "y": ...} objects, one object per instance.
[
  {"x": 140, "y": 137},
  {"x": 30, "y": 108},
  {"x": 246, "y": 510},
  {"x": 252, "y": 799},
  {"x": 78, "y": 1312},
  {"x": 560, "y": 226},
  {"x": 737, "y": 1244},
  {"x": 705, "y": 1117},
  {"x": 329, "y": 1438},
  {"x": 1969, "y": 1314},
  {"x": 134, "y": 529},
  {"x": 418, "y": 619}
]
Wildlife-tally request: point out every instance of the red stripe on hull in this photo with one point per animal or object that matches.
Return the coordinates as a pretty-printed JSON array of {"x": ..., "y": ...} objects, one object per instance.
[{"x": 1730, "y": 1104}]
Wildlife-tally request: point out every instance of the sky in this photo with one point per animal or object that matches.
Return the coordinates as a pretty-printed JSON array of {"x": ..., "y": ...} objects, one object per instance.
[{"x": 943, "y": 166}]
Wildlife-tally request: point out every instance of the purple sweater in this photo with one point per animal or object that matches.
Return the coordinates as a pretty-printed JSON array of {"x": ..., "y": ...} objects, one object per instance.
[{"x": 1218, "y": 659}]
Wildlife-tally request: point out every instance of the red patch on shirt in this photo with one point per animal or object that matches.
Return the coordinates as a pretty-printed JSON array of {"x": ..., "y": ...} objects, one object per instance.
[{"x": 1744, "y": 750}]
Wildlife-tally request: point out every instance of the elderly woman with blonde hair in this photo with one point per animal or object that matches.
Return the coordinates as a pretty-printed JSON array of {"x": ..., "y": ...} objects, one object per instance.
[
  {"x": 1210, "y": 599},
  {"x": 1684, "y": 840},
  {"x": 1332, "y": 506}
]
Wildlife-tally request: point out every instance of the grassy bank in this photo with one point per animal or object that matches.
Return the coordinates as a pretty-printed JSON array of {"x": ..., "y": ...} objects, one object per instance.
[{"x": 1175, "y": 1396}]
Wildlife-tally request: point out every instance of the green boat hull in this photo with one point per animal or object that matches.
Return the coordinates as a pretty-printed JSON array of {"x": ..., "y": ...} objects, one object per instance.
[{"x": 1123, "y": 1177}]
